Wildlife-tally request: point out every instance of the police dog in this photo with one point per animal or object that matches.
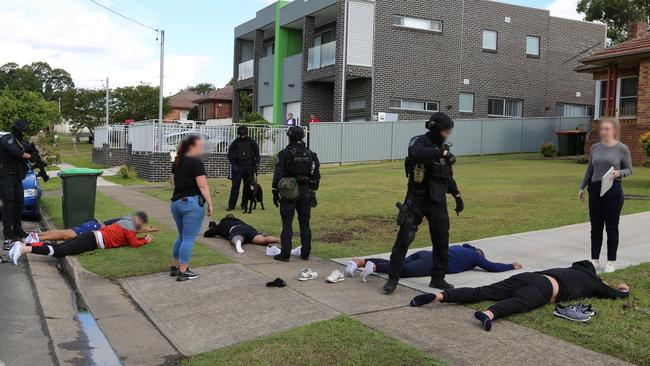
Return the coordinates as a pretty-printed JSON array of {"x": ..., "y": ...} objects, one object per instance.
[{"x": 253, "y": 194}]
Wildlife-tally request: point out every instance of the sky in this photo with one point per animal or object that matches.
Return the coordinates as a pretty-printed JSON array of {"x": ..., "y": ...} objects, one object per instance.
[{"x": 92, "y": 43}]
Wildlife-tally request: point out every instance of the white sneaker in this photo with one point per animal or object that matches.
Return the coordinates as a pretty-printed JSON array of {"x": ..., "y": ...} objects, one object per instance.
[
  {"x": 296, "y": 252},
  {"x": 32, "y": 238},
  {"x": 335, "y": 276},
  {"x": 272, "y": 251},
  {"x": 596, "y": 263},
  {"x": 16, "y": 254},
  {"x": 307, "y": 274},
  {"x": 610, "y": 267},
  {"x": 351, "y": 268}
]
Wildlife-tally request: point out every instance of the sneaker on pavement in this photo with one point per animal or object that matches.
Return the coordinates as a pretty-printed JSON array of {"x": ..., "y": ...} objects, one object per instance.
[
  {"x": 571, "y": 313},
  {"x": 351, "y": 268},
  {"x": 610, "y": 267},
  {"x": 16, "y": 253},
  {"x": 441, "y": 284},
  {"x": 390, "y": 286},
  {"x": 335, "y": 276},
  {"x": 585, "y": 308},
  {"x": 187, "y": 275},
  {"x": 307, "y": 274},
  {"x": 174, "y": 271},
  {"x": 281, "y": 258},
  {"x": 7, "y": 244},
  {"x": 296, "y": 251},
  {"x": 272, "y": 251}
]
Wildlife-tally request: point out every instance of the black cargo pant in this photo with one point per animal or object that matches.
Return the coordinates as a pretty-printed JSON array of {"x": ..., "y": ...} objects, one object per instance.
[
  {"x": 517, "y": 294},
  {"x": 240, "y": 172},
  {"x": 12, "y": 195},
  {"x": 287, "y": 211},
  {"x": 438, "y": 217}
]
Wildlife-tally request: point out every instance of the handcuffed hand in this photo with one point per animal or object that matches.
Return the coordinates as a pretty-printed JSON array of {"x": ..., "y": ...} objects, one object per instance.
[{"x": 276, "y": 198}]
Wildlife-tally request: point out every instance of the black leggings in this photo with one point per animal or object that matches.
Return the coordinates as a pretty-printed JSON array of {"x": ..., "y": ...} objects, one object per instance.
[
  {"x": 517, "y": 294},
  {"x": 85, "y": 242},
  {"x": 605, "y": 213}
]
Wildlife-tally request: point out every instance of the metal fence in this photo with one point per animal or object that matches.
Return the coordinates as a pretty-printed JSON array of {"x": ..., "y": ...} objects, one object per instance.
[
  {"x": 115, "y": 136},
  {"x": 370, "y": 141}
]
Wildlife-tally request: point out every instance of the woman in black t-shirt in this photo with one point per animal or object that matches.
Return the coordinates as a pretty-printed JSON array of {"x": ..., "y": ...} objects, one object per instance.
[{"x": 191, "y": 194}]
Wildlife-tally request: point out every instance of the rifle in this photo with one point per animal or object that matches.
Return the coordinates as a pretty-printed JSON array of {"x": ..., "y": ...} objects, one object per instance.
[{"x": 37, "y": 161}]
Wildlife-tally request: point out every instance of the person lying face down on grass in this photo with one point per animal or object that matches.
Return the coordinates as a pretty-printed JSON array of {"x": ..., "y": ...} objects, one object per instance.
[
  {"x": 239, "y": 233},
  {"x": 419, "y": 264},
  {"x": 121, "y": 233},
  {"x": 84, "y": 227},
  {"x": 524, "y": 292}
]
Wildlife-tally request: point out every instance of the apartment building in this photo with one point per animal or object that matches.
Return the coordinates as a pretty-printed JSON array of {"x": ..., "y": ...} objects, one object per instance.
[{"x": 468, "y": 58}]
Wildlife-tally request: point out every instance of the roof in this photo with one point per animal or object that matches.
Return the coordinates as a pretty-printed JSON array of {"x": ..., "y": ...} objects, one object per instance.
[
  {"x": 219, "y": 94},
  {"x": 184, "y": 99},
  {"x": 633, "y": 47}
]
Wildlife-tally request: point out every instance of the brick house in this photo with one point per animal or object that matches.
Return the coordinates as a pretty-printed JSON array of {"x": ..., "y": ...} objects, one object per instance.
[
  {"x": 215, "y": 105},
  {"x": 181, "y": 103},
  {"x": 622, "y": 75}
]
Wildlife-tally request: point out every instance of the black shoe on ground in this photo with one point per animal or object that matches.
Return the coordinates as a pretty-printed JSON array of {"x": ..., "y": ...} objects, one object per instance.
[
  {"x": 230, "y": 209},
  {"x": 304, "y": 257},
  {"x": 174, "y": 271},
  {"x": 281, "y": 258},
  {"x": 187, "y": 275},
  {"x": 390, "y": 286},
  {"x": 441, "y": 284},
  {"x": 20, "y": 234},
  {"x": 7, "y": 244}
]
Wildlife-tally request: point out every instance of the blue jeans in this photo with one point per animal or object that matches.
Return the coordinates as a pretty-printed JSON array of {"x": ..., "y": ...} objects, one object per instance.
[{"x": 189, "y": 220}]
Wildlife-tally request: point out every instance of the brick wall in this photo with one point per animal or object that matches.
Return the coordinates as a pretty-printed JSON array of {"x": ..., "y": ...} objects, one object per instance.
[
  {"x": 631, "y": 131},
  {"x": 110, "y": 156}
]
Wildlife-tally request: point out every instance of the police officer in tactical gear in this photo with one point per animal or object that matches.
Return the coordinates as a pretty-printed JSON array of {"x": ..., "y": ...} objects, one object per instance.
[
  {"x": 295, "y": 182},
  {"x": 430, "y": 178},
  {"x": 244, "y": 158},
  {"x": 13, "y": 169}
]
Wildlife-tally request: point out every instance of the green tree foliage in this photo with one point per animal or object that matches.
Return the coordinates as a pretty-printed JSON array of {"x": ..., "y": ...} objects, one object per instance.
[
  {"x": 15, "y": 104},
  {"x": 617, "y": 14},
  {"x": 86, "y": 108},
  {"x": 38, "y": 77},
  {"x": 193, "y": 113},
  {"x": 136, "y": 102},
  {"x": 202, "y": 88}
]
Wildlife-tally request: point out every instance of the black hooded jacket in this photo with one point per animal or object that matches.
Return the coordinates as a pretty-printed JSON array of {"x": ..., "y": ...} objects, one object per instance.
[
  {"x": 581, "y": 281},
  {"x": 425, "y": 148}
]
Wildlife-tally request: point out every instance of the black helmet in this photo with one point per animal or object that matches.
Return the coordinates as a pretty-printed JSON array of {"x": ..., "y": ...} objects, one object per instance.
[
  {"x": 242, "y": 130},
  {"x": 296, "y": 133},
  {"x": 20, "y": 126},
  {"x": 439, "y": 122}
]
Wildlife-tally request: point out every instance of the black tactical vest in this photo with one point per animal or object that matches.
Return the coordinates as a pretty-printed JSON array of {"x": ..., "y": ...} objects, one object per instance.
[
  {"x": 244, "y": 151},
  {"x": 300, "y": 162}
]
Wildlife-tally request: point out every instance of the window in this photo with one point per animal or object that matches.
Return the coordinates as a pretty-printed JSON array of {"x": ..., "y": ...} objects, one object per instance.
[
  {"x": 466, "y": 103},
  {"x": 573, "y": 110},
  {"x": 490, "y": 40},
  {"x": 628, "y": 97},
  {"x": 414, "y": 105},
  {"x": 602, "y": 98},
  {"x": 417, "y": 23},
  {"x": 356, "y": 104},
  {"x": 532, "y": 46},
  {"x": 269, "y": 49},
  {"x": 323, "y": 38},
  {"x": 504, "y": 107}
]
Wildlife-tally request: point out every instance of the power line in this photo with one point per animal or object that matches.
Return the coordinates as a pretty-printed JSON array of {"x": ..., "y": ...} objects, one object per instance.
[{"x": 124, "y": 16}]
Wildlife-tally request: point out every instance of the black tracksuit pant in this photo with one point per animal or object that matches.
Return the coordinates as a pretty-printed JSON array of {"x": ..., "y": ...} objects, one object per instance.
[
  {"x": 287, "y": 211},
  {"x": 12, "y": 195},
  {"x": 517, "y": 294},
  {"x": 605, "y": 213},
  {"x": 240, "y": 172},
  {"x": 438, "y": 217},
  {"x": 83, "y": 243}
]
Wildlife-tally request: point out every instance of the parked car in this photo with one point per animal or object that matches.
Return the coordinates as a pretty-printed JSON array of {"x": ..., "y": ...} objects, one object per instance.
[
  {"x": 213, "y": 144},
  {"x": 32, "y": 193}
]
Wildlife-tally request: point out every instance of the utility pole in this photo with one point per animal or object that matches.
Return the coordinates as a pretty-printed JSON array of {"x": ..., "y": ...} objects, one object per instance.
[
  {"x": 107, "y": 96},
  {"x": 162, "y": 71}
]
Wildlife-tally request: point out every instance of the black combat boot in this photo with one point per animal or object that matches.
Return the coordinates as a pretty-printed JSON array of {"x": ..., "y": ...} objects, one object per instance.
[
  {"x": 390, "y": 286},
  {"x": 440, "y": 283}
]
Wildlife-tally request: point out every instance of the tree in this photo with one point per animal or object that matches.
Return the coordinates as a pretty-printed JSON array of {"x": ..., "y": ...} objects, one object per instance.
[
  {"x": 38, "y": 77},
  {"x": 15, "y": 104},
  {"x": 87, "y": 108},
  {"x": 617, "y": 14},
  {"x": 193, "y": 113},
  {"x": 136, "y": 102},
  {"x": 202, "y": 88}
]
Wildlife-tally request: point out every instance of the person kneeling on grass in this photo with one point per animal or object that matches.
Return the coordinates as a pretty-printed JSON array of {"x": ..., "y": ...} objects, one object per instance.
[
  {"x": 528, "y": 291},
  {"x": 87, "y": 226},
  {"x": 239, "y": 233},
  {"x": 118, "y": 234},
  {"x": 461, "y": 259}
]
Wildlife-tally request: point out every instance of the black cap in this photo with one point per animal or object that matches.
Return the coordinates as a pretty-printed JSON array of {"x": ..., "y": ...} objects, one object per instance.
[
  {"x": 296, "y": 133},
  {"x": 142, "y": 215},
  {"x": 242, "y": 130},
  {"x": 439, "y": 122},
  {"x": 20, "y": 125}
]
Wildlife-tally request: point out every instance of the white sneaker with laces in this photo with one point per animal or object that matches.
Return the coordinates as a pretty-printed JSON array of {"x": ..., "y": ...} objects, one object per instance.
[
  {"x": 610, "y": 267},
  {"x": 307, "y": 274},
  {"x": 351, "y": 268},
  {"x": 296, "y": 251},
  {"x": 272, "y": 251},
  {"x": 335, "y": 276}
]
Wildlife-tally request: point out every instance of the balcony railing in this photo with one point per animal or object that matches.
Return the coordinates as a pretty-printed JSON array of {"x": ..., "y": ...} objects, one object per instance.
[
  {"x": 321, "y": 56},
  {"x": 246, "y": 70}
]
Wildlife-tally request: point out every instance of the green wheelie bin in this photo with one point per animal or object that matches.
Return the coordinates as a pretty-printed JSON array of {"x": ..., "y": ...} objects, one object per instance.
[{"x": 79, "y": 188}]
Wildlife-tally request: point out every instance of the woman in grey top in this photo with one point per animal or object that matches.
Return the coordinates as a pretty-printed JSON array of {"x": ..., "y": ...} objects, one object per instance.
[{"x": 605, "y": 211}]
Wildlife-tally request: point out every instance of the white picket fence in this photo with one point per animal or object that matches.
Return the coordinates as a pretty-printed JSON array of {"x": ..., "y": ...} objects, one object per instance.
[{"x": 115, "y": 136}]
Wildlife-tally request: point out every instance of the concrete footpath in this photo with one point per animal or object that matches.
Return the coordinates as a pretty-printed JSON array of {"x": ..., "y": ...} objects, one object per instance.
[{"x": 230, "y": 304}]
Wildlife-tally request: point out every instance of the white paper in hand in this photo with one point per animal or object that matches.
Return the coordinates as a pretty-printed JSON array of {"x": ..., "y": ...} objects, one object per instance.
[{"x": 607, "y": 182}]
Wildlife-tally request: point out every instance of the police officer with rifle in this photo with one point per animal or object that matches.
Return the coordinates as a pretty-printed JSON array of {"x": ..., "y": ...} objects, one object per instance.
[
  {"x": 430, "y": 178},
  {"x": 295, "y": 182},
  {"x": 13, "y": 168},
  {"x": 244, "y": 158}
]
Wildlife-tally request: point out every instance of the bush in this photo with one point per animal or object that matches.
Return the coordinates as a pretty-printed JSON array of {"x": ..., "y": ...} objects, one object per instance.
[
  {"x": 45, "y": 142},
  {"x": 548, "y": 150},
  {"x": 645, "y": 143},
  {"x": 583, "y": 159},
  {"x": 254, "y": 118},
  {"x": 127, "y": 173}
]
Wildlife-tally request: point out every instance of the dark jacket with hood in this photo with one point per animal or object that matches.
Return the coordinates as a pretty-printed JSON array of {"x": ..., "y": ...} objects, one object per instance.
[
  {"x": 426, "y": 149},
  {"x": 581, "y": 281}
]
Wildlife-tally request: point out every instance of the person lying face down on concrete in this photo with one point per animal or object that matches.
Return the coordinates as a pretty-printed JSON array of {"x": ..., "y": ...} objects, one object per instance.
[
  {"x": 527, "y": 291},
  {"x": 462, "y": 258},
  {"x": 121, "y": 233},
  {"x": 239, "y": 233},
  {"x": 84, "y": 227}
]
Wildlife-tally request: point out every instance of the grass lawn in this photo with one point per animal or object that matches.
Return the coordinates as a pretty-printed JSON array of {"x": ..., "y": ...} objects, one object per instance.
[
  {"x": 503, "y": 195},
  {"x": 81, "y": 158},
  {"x": 339, "y": 341},
  {"x": 125, "y": 261},
  {"x": 118, "y": 179}
]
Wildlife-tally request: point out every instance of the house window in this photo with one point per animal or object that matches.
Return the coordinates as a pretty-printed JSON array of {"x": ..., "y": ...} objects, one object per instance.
[
  {"x": 355, "y": 104},
  {"x": 532, "y": 46},
  {"x": 628, "y": 96},
  {"x": 573, "y": 110},
  {"x": 323, "y": 38},
  {"x": 490, "y": 40},
  {"x": 414, "y": 105},
  {"x": 417, "y": 23},
  {"x": 269, "y": 49},
  {"x": 504, "y": 107},
  {"x": 466, "y": 103},
  {"x": 602, "y": 98}
]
